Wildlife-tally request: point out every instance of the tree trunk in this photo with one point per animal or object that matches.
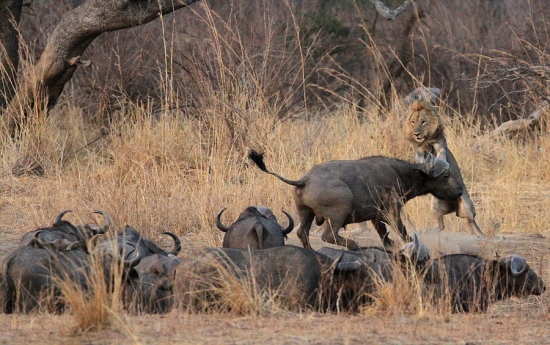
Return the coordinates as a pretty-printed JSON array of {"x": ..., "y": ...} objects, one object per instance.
[
  {"x": 70, "y": 38},
  {"x": 398, "y": 64},
  {"x": 10, "y": 14}
]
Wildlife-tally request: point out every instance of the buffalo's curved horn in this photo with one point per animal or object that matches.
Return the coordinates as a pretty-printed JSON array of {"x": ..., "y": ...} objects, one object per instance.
[
  {"x": 129, "y": 263},
  {"x": 349, "y": 266},
  {"x": 37, "y": 241},
  {"x": 290, "y": 224},
  {"x": 517, "y": 264},
  {"x": 59, "y": 218},
  {"x": 219, "y": 223},
  {"x": 106, "y": 222},
  {"x": 73, "y": 245},
  {"x": 92, "y": 241},
  {"x": 177, "y": 243}
]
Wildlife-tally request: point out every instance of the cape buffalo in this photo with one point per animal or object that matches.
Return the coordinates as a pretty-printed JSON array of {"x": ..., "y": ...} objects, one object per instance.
[
  {"x": 149, "y": 274},
  {"x": 378, "y": 266},
  {"x": 150, "y": 284},
  {"x": 62, "y": 232},
  {"x": 296, "y": 277},
  {"x": 31, "y": 274},
  {"x": 337, "y": 193},
  {"x": 130, "y": 241},
  {"x": 256, "y": 228},
  {"x": 469, "y": 283}
]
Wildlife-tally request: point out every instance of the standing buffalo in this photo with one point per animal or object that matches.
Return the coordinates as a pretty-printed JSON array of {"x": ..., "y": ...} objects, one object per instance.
[
  {"x": 62, "y": 232},
  {"x": 468, "y": 283},
  {"x": 337, "y": 193},
  {"x": 296, "y": 277},
  {"x": 256, "y": 228}
]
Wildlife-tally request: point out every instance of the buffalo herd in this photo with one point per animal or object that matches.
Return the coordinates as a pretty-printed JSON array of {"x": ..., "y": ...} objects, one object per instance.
[{"x": 254, "y": 257}]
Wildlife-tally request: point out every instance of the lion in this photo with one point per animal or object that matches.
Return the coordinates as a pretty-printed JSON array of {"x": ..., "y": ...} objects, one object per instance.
[{"x": 425, "y": 130}]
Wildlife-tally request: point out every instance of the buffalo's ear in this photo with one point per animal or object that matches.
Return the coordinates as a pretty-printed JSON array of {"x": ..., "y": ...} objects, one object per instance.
[
  {"x": 130, "y": 274},
  {"x": 172, "y": 263},
  {"x": 516, "y": 265}
]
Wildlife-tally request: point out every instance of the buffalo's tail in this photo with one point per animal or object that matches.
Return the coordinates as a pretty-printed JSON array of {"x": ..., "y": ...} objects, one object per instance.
[{"x": 258, "y": 159}]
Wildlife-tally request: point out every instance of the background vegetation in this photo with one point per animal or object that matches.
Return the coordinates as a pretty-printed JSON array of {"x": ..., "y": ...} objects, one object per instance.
[{"x": 156, "y": 130}]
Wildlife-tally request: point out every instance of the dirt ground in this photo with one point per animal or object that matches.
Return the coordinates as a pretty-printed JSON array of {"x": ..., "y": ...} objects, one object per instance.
[{"x": 512, "y": 321}]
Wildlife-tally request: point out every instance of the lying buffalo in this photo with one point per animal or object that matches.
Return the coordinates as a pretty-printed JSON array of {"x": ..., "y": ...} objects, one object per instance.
[
  {"x": 256, "y": 228},
  {"x": 149, "y": 270},
  {"x": 62, "y": 233},
  {"x": 414, "y": 256},
  {"x": 296, "y": 277},
  {"x": 337, "y": 193},
  {"x": 32, "y": 273},
  {"x": 380, "y": 264},
  {"x": 130, "y": 241},
  {"x": 468, "y": 283},
  {"x": 150, "y": 284}
]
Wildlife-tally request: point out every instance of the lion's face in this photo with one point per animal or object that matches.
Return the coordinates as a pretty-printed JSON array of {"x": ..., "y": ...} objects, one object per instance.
[{"x": 423, "y": 122}]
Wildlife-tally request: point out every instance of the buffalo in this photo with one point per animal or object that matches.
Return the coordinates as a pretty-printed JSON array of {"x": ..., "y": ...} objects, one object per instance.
[
  {"x": 150, "y": 284},
  {"x": 130, "y": 241},
  {"x": 378, "y": 265},
  {"x": 62, "y": 233},
  {"x": 297, "y": 278},
  {"x": 469, "y": 283},
  {"x": 32, "y": 273},
  {"x": 149, "y": 270},
  {"x": 256, "y": 228},
  {"x": 341, "y": 192}
]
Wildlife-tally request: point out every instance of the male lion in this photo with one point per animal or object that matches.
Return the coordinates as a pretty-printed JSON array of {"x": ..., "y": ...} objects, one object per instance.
[{"x": 425, "y": 132}]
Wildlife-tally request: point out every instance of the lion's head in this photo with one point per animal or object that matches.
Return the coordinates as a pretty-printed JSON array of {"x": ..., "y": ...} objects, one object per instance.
[{"x": 424, "y": 123}]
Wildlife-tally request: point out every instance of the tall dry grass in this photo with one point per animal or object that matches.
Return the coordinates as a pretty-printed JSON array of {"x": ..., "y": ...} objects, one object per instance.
[{"x": 164, "y": 167}]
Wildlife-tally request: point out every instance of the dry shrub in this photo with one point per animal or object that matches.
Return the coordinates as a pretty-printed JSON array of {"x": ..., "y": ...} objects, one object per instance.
[
  {"x": 229, "y": 289},
  {"x": 100, "y": 304},
  {"x": 404, "y": 295}
]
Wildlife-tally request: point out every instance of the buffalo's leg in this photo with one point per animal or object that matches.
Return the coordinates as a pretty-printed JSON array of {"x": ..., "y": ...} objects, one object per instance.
[
  {"x": 306, "y": 216},
  {"x": 467, "y": 210},
  {"x": 334, "y": 220},
  {"x": 382, "y": 232},
  {"x": 402, "y": 230}
]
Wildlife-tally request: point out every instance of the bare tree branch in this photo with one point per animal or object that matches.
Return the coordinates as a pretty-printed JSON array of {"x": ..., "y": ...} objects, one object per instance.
[
  {"x": 72, "y": 35},
  {"x": 388, "y": 13}
]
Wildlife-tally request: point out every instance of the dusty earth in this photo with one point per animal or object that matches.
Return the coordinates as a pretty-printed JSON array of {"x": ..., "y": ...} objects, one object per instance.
[{"x": 513, "y": 321}]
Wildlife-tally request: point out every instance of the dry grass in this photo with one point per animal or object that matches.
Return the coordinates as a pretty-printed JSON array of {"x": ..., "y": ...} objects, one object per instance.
[{"x": 168, "y": 170}]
